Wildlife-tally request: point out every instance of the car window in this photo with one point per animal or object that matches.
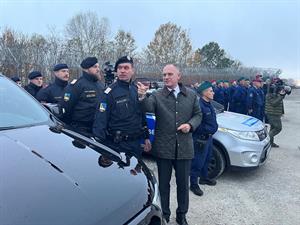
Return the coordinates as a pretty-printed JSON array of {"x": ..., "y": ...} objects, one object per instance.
[{"x": 17, "y": 108}]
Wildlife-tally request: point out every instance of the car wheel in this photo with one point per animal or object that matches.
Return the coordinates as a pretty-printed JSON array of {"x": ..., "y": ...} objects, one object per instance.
[{"x": 217, "y": 163}]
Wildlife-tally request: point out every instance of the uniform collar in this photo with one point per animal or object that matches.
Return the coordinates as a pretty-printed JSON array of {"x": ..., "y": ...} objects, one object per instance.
[
  {"x": 89, "y": 77},
  {"x": 123, "y": 83},
  {"x": 205, "y": 102},
  {"x": 35, "y": 87},
  {"x": 60, "y": 82}
]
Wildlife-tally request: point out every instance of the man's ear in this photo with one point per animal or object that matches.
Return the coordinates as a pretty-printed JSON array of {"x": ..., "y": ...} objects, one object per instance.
[{"x": 179, "y": 75}]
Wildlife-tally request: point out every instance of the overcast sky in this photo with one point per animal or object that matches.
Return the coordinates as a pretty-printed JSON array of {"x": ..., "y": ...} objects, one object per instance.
[{"x": 258, "y": 33}]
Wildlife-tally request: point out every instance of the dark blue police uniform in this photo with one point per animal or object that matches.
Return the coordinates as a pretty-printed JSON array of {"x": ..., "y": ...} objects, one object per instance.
[
  {"x": 239, "y": 100},
  {"x": 79, "y": 103},
  {"x": 119, "y": 120},
  {"x": 231, "y": 91},
  {"x": 202, "y": 138},
  {"x": 32, "y": 89},
  {"x": 255, "y": 102},
  {"x": 226, "y": 98},
  {"x": 53, "y": 93},
  {"x": 263, "y": 97},
  {"x": 219, "y": 95}
]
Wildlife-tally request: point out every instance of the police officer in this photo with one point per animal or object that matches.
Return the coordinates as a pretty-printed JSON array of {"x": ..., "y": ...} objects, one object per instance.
[
  {"x": 226, "y": 94},
  {"x": 81, "y": 97},
  {"x": 239, "y": 98},
  {"x": 119, "y": 120},
  {"x": 219, "y": 93},
  {"x": 255, "y": 100},
  {"x": 35, "y": 83},
  {"x": 53, "y": 93},
  {"x": 231, "y": 91},
  {"x": 247, "y": 83},
  {"x": 202, "y": 139},
  {"x": 17, "y": 80}
]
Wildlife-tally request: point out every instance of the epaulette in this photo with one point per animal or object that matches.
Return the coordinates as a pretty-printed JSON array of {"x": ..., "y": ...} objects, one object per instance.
[
  {"x": 73, "y": 81},
  {"x": 107, "y": 90}
]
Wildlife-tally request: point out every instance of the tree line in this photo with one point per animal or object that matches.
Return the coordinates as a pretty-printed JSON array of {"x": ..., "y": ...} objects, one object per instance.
[{"x": 86, "y": 34}]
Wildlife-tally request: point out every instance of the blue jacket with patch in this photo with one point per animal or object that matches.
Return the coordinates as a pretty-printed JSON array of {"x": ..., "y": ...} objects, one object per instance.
[
  {"x": 80, "y": 100},
  {"x": 119, "y": 110},
  {"x": 52, "y": 93}
]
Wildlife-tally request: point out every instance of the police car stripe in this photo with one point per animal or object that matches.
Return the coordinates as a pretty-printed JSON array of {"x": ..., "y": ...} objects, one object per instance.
[{"x": 250, "y": 122}]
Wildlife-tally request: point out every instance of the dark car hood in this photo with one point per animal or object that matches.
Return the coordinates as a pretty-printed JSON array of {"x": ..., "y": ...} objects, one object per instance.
[{"x": 45, "y": 179}]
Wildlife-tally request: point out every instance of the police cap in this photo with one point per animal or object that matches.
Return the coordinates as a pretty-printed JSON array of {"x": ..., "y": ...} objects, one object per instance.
[
  {"x": 60, "y": 67},
  {"x": 15, "y": 78},
  {"x": 203, "y": 86},
  {"x": 34, "y": 74},
  {"x": 123, "y": 59},
  {"x": 241, "y": 78},
  {"x": 88, "y": 62},
  {"x": 257, "y": 80}
]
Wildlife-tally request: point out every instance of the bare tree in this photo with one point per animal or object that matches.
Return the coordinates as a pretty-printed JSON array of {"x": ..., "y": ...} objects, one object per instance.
[
  {"x": 124, "y": 44},
  {"x": 171, "y": 44},
  {"x": 14, "y": 53},
  {"x": 87, "y": 35}
]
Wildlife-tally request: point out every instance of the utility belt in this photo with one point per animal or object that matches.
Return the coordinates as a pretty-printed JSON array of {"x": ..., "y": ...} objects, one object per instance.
[{"x": 118, "y": 136}]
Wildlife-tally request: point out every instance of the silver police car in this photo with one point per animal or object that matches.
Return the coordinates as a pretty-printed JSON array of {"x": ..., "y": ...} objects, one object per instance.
[{"x": 241, "y": 141}]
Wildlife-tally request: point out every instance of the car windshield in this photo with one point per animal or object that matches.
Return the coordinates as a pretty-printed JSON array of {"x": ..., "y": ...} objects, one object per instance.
[{"x": 17, "y": 108}]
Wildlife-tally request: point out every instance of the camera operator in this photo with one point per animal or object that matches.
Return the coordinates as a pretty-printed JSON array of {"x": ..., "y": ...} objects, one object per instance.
[
  {"x": 109, "y": 75},
  {"x": 274, "y": 107}
]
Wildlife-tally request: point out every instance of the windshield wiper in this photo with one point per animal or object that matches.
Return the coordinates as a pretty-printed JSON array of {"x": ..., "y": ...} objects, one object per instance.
[
  {"x": 8, "y": 128},
  {"x": 98, "y": 147}
]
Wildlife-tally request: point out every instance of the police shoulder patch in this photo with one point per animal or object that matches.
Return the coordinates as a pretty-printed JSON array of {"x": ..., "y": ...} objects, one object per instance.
[
  {"x": 107, "y": 90},
  {"x": 67, "y": 97},
  {"x": 73, "y": 81},
  {"x": 102, "y": 107}
]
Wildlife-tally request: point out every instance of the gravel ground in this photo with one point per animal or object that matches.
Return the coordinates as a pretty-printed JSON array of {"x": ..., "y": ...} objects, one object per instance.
[{"x": 269, "y": 195}]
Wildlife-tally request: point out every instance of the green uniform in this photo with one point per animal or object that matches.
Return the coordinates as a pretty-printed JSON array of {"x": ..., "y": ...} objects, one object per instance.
[{"x": 274, "y": 111}]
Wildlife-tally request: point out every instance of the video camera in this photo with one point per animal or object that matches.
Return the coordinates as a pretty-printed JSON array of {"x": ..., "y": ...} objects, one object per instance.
[
  {"x": 278, "y": 85},
  {"x": 108, "y": 70}
]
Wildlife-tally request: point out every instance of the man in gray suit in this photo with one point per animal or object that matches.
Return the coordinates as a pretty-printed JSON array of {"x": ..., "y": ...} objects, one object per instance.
[{"x": 177, "y": 115}]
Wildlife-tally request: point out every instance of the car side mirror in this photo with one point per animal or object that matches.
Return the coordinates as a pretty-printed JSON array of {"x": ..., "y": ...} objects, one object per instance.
[{"x": 53, "y": 108}]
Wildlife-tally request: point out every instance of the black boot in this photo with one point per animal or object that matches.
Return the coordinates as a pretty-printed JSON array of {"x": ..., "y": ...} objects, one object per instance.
[
  {"x": 273, "y": 145},
  {"x": 181, "y": 220},
  {"x": 207, "y": 181},
  {"x": 196, "y": 189}
]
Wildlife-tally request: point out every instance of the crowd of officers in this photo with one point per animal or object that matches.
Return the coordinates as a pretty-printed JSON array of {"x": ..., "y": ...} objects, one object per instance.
[
  {"x": 185, "y": 118},
  {"x": 262, "y": 98}
]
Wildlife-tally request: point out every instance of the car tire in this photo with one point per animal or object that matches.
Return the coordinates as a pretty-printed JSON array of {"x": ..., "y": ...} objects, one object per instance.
[{"x": 217, "y": 163}]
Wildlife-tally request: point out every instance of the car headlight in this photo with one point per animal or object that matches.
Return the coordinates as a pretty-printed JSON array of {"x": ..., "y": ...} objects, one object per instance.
[{"x": 246, "y": 135}]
